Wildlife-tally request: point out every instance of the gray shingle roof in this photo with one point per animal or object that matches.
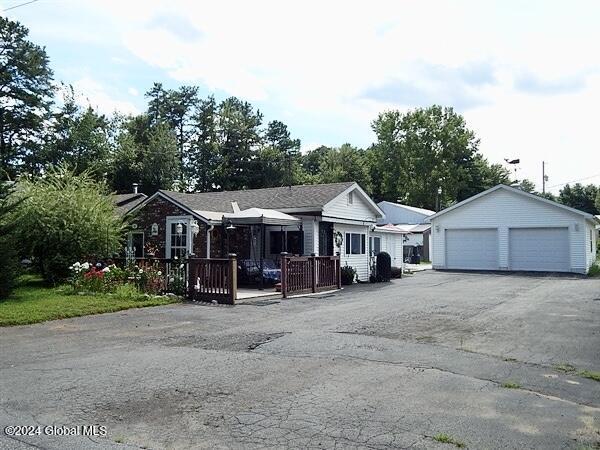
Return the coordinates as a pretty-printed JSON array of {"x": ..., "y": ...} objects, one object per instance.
[
  {"x": 304, "y": 196},
  {"x": 126, "y": 202}
]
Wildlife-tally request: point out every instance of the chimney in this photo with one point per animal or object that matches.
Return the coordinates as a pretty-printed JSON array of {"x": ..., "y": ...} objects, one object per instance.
[{"x": 135, "y": 188}]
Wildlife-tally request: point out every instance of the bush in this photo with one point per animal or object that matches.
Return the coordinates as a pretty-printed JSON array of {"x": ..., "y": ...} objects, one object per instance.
[
  {"x": 594, "y": 270},
  {"x": 63, "y": 218},
  {"x": 384, "y": 267},
  {"x": 9, "y": 262},
  {"x": 348, "y": 274}
]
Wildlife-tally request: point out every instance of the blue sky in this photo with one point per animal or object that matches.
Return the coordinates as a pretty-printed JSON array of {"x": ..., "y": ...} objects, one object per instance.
[{"x": 526, "y": 75}]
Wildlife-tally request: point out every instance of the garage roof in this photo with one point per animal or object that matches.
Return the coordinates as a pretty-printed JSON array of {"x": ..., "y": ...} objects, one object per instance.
[{"x": 516, "y": 191}]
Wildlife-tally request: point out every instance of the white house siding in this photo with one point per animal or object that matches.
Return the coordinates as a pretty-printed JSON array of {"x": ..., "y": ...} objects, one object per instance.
[
  {"x": 311, "y": 235},
  {"x": 391, "y": 243},
  {"x": 503, "y": 210},
  {"x": 359, "y": 210},
  {"x": 397, "y": 214},
  {"x": 360, "y": 263}
]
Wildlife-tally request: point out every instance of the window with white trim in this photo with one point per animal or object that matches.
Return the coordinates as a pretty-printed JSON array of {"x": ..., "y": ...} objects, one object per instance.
[
  {"x": 356, "y": 244},
  {"x": 375, "y": 245}
]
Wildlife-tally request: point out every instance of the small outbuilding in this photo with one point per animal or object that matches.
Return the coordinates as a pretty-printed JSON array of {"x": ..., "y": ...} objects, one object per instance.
[{"x": 505, "y": 228}]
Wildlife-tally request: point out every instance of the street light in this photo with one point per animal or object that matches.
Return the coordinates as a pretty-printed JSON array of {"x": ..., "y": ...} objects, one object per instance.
[{"x": 437, "y": 199}]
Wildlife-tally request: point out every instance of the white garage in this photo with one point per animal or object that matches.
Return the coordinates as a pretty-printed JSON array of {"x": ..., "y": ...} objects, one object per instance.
[{"x": 505, "y": 228}]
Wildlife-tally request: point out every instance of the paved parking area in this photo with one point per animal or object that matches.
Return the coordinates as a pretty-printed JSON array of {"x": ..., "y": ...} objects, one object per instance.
[{"x": 374, "y": 366}]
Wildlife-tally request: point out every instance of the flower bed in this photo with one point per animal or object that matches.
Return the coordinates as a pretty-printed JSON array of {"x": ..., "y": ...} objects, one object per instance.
[{"x": 147, "y": 278}]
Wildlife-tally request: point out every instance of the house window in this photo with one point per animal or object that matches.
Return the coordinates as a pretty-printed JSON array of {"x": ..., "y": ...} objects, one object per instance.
[
  {"x": 350, "y": 198},
  {"x": 179, "y": 241},
  {"x": 355, "y": 244},
  {"x": 294, "y": 240},
  {"x": 135, "y": 243},
  {"x": 375, "y": 245}
]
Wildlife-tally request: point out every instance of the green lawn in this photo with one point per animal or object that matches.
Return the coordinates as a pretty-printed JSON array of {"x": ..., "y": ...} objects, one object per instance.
[{"x": 33, "y": 302}]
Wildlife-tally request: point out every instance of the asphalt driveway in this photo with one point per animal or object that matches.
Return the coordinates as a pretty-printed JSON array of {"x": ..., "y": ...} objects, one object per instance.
[{"x": 477, "y": 357}]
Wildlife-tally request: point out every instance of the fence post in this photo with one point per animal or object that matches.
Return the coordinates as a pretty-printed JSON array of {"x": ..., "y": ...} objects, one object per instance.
[
  {"x": 313, "y": 272},
  {"x": 338, "y": 269},
  {"x": 232, "y": 278},
  {"x": 284, "y": 274}
]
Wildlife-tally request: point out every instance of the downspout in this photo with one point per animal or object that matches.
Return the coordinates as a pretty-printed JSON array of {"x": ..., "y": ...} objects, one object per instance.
[{"x": 208, "y": 230}]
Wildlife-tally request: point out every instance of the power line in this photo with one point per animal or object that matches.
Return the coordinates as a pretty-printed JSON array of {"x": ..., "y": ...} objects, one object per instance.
[
  {"x": 575, "y": 181},
  {"x": 22, "y": 4}
]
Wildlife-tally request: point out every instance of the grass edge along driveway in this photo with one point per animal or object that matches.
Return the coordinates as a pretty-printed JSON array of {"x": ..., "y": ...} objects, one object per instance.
[{"x": 33, "y": 302}]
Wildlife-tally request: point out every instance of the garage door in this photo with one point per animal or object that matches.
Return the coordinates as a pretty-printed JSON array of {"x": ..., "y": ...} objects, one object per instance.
[
  {"x": 475, "y": 249},
  {"x": 539, "y": 249}
]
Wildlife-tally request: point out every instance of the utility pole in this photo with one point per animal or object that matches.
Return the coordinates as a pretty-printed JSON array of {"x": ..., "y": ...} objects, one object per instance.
[{"x": 543, "y": 177}]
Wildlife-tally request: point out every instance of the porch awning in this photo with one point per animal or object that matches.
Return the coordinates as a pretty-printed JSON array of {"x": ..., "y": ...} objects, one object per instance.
[{"x": 260, "y": 216}]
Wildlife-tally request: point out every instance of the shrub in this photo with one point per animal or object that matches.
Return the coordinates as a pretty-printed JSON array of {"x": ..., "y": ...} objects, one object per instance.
[
  {"x": 594, "y": 270},
  {"x": 384, "y": 267},
  {"x": 348, "y": 274},
  {"x": 9, "y": 262},
  {"x": 63, "y": 218}
]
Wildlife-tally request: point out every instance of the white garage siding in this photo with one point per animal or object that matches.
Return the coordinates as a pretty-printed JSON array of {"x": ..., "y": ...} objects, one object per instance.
[
  {"x": 539, "y": 249},
  {"x": 503, "y": 209},
  {"x": 472, "y": 249}
]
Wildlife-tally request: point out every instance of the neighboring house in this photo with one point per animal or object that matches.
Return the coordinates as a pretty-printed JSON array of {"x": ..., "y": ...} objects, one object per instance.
[
  {"x": 389, "y": 239},
  {"x": 326, "y": 218},
  {"x": 413, "y": 221},
  {"x": 505, "y": 228}
]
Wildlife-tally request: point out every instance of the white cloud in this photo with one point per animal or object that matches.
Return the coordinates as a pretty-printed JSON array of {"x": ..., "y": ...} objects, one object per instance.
[
  {"x": 90, "y": 92},
  {"x": 321, "y": 60}
]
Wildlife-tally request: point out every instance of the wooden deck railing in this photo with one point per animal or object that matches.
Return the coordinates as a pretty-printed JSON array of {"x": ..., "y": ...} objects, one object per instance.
[
  {"x": 213, "y": 279},
  {"x": 302, "y": 274}
]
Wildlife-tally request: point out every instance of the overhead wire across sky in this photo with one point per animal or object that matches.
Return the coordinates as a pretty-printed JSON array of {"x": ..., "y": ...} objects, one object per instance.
[{"x": 19, "y": 5}]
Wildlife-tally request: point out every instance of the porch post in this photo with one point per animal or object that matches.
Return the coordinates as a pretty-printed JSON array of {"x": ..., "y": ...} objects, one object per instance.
[
  {"x": 232, "y": 278},
  {"x": 313, "y": 272},
  {"x": 262, "y": 256},
  {"x": 301, "y": 239},
  {"x": 222, "y": 238},
  {"x": 284, "y": 274}
]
